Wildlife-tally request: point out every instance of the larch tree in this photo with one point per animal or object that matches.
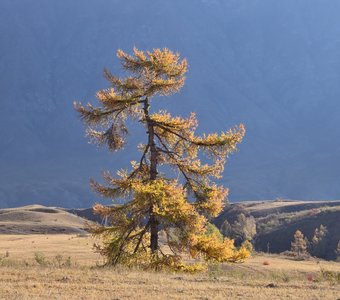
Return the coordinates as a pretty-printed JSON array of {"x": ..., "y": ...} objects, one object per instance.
[
  {"x": 244, "y": 228},
  {"x": 147, "y": 201},
  {"x": 300, "y": 244},
  {"x": 337, "y": 251},
  {"x": 319, "y": 241}
]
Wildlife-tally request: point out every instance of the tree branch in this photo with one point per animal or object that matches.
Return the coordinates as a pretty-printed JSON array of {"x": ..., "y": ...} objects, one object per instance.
[{"x": 141, "y": 236}]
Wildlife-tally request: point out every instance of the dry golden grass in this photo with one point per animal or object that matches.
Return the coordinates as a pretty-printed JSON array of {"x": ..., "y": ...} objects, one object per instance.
[
  {"x": 23, "y": 247},
  {"x": 21, "y": 277}
]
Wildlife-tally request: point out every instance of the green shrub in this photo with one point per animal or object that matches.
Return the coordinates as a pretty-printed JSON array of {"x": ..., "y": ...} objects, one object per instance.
[
  {"x": 40, "y": 259},
  {"x": 331, "y": 276}
]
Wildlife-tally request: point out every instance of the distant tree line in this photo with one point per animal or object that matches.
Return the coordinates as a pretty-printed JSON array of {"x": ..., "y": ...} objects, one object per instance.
[
  {"x": 317, "y": 247},
  {"x": 243, "y": 228}
]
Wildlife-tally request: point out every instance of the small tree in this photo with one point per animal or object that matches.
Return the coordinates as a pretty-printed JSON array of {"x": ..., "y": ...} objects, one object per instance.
[
  {"x": 226, "y": 229},
  {"x": 300, "y": 244},
  {"x": 151, "y": 200},
  {"x": 243, "y": 229},
  {"x": 337, "y": 251},
  {"x": 319, "y": 241}
]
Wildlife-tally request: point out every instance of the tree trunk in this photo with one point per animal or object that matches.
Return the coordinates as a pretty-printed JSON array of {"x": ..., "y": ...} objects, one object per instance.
[{"x": 153, "y": 176}]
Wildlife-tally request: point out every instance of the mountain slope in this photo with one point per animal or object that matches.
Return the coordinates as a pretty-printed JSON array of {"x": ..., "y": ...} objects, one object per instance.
[
  {"x": 277, "y": 221},
  {"x": 273, "y": 65},
  {"x": 38, "y": 219}
]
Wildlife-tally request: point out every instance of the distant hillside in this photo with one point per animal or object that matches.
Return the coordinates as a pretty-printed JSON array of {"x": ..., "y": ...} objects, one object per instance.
[
  {"x": 277, "y": 221},
  {"x": 86, "y": 213},
  {"x": 273, "y": 65},
  {"x": 38, "y": 219}
]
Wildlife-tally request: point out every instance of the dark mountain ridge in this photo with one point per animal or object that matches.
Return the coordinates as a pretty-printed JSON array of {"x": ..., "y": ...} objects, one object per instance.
[{"x": 277, "y": 221}]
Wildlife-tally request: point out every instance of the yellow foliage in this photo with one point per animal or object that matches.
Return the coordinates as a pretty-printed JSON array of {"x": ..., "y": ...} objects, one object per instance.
[
  {"x": 211, "y": 248},
  {"x": 148, "y": 201}
]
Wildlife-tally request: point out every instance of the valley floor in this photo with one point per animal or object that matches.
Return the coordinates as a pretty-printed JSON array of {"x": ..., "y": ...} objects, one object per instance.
[{"x": 64, "y": 267}]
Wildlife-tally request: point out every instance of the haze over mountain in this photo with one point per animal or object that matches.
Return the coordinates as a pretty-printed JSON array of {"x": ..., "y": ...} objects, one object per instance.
[{"x": 272, "y": 65}]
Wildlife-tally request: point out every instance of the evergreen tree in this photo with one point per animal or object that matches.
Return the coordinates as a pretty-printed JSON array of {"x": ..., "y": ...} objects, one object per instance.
[
  {"x": 244, "y": 228},
  {"x": 226, "y": 229},
  {"x": 319, "y": 241},
  {"x": 151, "y": 200},
  {"x": 300, "y": 244},
  {"x": 337, "y": 251}
]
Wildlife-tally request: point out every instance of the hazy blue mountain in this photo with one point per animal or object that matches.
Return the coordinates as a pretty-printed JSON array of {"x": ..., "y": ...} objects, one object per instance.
[{"x": 273, "y": 65}]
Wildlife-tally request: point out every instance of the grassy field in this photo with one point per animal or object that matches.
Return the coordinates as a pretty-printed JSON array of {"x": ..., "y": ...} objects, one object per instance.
[{"x": 65, "y": 267}]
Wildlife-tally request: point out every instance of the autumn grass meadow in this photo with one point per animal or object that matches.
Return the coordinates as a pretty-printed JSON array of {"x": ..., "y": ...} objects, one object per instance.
[{"x": 65, "y": 267}]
